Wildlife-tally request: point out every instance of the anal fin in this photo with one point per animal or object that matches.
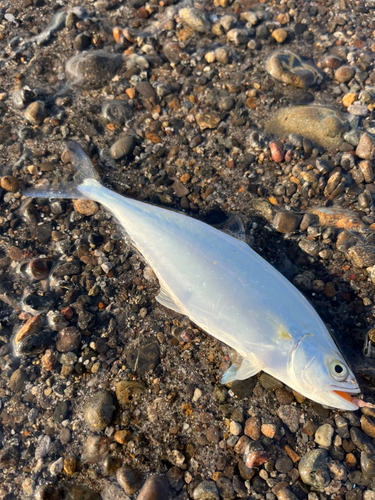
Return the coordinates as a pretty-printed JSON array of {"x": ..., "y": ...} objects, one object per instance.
[{"x": 248, "y": 369}]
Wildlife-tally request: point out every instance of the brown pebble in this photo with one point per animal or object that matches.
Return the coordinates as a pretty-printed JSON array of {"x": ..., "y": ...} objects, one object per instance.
[
  {"x": 122, "y": 436},
  {"x": 309, "y": 428},
  {"x": 284, "y": 396},
  {"x": 16, "y": 254},
  {"x": 286, "y": 222},
  {"x": 351, "y": 460},
  {"x": 70, "y": 464},
  {"x": 277, "y": 152},
  {"x": 155, "y": 488},
  {"x": 253, "y": 428},
  {"x": 68, "y": 339},
  {"x": 49, "y": 360},
  {"x": 9, "y": 183},
  {"x": 291, "y": 453},
  {"x": 269, "y": 430},
  {"x": 86, "y": 207},
  {"x": 38, "y": 269},
  {"x": 366, "y": 147},
  {"x": 368, "y": 425},
  {"x": 329, "y": 290},
  {"x": 128, "y": 479},
  {"x": 31, "y": 326},
  {"x": 241, "y": 444},
  {"x": 344, "y": 74},
  {"x": 117, "y": 32}
]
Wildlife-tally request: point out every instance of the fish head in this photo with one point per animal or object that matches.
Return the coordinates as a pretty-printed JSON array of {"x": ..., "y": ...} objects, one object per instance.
[{"x": 322, "y": 373}]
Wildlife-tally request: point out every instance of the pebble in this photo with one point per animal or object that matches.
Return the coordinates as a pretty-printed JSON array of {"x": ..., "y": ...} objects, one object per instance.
[
  {"x": 118, "y": 112},
  {"x": 366, "y": 147},
  {"x": 356, "y": 110},
  {"x": 128, "y": 479},
  {"x": 284, "y": 464},
  {"x": 362, "y": 256},
  {"x": 313, "y": 468},
  {"x": 128, "y": 391},
  {"x": 95, "y": 449},
  {"x": 323, "y": 126},
  {"x": 68, "y": 339},
  {"x": 235, "y": 428},
  {"x": 155, "y": 488},
  {"x": 286, "y": 221},
  {"x": 195, "y": 19},
  {"x": 237, "y": 37},
  {"x": 18, "y": 381},
  {"x": 253, "y": 428},
  {"x": 86, "y": 207},
  {"x": 324, "y": 435},
  {"x": 9, "y": 183},
  {"x": 290, "y": 416},
  {"x": 93, "y": 69},
  {"x": 279, "y": 35},
  {"x": 287, "y": 67},
  {"x": 48, "y": 492},
  {"x": 277, "y": 152},
  {"x": 98, "y": 411},
  {"x": 35, "y": 112},
  {"x": 206, "y": 490},
  {"x": 368, "y": 464},
  {"x": 368, "y": 425},
  {"x": 123, "y": 147},
  {"x": 208, "y": 120},
  {"x": 38, "y": 269},
  {"x": 344, "y": 74}
]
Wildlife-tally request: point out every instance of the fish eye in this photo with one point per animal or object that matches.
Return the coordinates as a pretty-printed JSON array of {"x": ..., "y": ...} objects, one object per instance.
[{"x": 339, "y": 371}]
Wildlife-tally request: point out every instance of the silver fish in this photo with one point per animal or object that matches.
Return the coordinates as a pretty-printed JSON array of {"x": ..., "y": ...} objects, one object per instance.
[{"x": 229, "y": 291}]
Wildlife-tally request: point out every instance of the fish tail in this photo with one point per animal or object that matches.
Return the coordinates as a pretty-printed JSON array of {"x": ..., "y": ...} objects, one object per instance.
[{"x": 84, "y": 172}]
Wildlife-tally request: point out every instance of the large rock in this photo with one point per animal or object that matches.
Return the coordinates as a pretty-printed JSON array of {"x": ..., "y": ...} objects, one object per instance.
[
  {"x": 366, "y": 147},
  {"x": 292, "y": 69},
  {"x": 323, "y": 126}
]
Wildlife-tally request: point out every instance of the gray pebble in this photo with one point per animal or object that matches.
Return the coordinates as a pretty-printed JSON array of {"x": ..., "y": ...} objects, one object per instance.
[
  {"x": 118, "y": 112},
  {"x": 313, "y": 468},
  {"x": 123, "y": 147},
  {"x": 289, "y": 415},
  {"x": 155, "y": 488},
  {"x": 206, "y": 490},
  {"x": 98, "y": 411},
  {"x": 18, "y": 380},
  {"x": 324, "y": 434},
  {"x": 93, "y": 69},
  {"x": 284, "y": 464},
  {"x": 128, "y": 479}
]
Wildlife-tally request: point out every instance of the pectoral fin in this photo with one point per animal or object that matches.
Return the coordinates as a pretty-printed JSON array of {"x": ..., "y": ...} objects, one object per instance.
[{"x": 248, "y": 369}]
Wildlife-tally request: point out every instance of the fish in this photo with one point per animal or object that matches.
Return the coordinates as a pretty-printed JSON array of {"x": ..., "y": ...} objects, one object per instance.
[{"x": 223, "y": 286}]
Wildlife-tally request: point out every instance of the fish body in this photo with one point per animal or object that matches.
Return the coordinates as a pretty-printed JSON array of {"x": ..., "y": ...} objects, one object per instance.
[{"x": 233, "y": 294}]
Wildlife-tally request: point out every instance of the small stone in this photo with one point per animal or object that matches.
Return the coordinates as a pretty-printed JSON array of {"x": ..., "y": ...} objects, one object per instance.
[
  {"x": 362, "y": 256},
  {"x": 279, "y": 35},
  {"x": 68, "y": 339},
  {"x": 269, "y": 430},
  {"x": 323, "y": 126},
  {"x": 93, "y": 69},
  {"x": 98, "y": 411},
  {"x": 49, "y": 360},
  {"x": 277, "y": 152},
  {"x": 180, "y": 189},
  {"x": 16, "y": 254},
  {"x": 70, "y": 464},
  {"x": 128, "y": 391},
  {"x": 117, "y": 111},
  {"x": 35, "y": 112},
  {"x": 366, "y": 147},
  {"x": 18, "y": 381},
  {"x": 344, "y": 74},
  {"x": 356, "y": 110},
  {"x": 269, "y": 383},
  {"x": 95, "y": 449},
  {"x": 128, "y": 479},
  {"x": 195, "y": 19},
  {"x": 86, "y": 207},
  {"x": 368, "y": 425},
  {"x": 38, "y": 269},
  {"x": 313, "y": 468},
  {"x": 9, "y": 183},
  {"x": 48, "y": 492},
  {"x": 284, "y": 397},
  {"x": 221, "y": 55},
  {"x": 122, "y": 436},
  {"x": 286, "y": 221},
  {"x": 348, "y": 99},
  {"x": 155, "y": 488},
  {"x": 210, "y": 57},
  {"x": 323, "y": 435},
  {"x": 123, "y": 147},
  {"x": 253, "y": 428},
  {"x": 208, "y": 120},
  {"x": 237, "y": 37},
  {"x": 146, "y": 90},
  {"x": 206, "y": 490},
  {"x": 235, "y": 428},
  {"x": 284, "y": 464},
  {"x": 290, "y": 416},
  {"x": 287, "y": 67}
]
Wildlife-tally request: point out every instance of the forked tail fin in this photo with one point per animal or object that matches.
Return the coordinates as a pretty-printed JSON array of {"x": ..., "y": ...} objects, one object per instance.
[{"x": 84, "y": 170}]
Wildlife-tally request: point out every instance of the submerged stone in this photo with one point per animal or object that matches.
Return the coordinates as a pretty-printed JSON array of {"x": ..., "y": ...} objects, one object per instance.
[
  {"x": 94, "y": 69},
  {"x": 292, "y": 69},
  {"x": 322, "y": 125}
]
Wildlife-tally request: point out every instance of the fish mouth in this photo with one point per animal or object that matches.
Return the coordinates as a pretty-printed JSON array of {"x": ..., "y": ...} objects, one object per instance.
[{"x": 342, "y": 397}]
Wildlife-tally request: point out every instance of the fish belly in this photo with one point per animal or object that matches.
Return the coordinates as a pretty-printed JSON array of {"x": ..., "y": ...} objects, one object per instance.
[{"x": 219, "y": 282}]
